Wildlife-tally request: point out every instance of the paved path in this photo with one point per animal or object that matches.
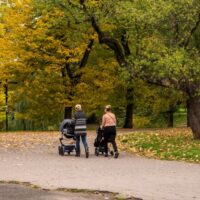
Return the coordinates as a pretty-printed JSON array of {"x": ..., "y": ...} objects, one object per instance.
[
  {"x": 20, "y": 192},
  {"x": 128, "y": 175}
]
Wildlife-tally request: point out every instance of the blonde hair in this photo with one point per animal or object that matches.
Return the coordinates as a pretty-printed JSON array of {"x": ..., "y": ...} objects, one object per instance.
[
  {"x": 78, "y": 107},
  {"x": 108, "y": 107}
]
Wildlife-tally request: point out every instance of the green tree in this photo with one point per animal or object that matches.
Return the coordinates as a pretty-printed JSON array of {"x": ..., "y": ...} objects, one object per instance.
[{"x": 164, "y": 39}]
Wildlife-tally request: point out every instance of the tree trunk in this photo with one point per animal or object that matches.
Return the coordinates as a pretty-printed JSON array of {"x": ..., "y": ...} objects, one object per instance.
[
  {"x": 6, "y": 98},
  {"x": 129, "y": 116},
  {"x": 188, "y": 116},
  {"x": 24, "y": 124},
  {"x": 68, "y": 113},
  {"x": 194, "y": 116},
  {"x": 170, "y": 117},
  {"x": 129, "y": 108},
  {"x": 74, "y": 79}
]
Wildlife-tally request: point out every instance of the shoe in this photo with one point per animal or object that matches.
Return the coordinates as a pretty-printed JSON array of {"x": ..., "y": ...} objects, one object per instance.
[
  {"x": 106, "y": 155},
  {"x": 87, "y": 153},
  {"x": 116, "y": 154},
  {"x": 77, "y": 154}
]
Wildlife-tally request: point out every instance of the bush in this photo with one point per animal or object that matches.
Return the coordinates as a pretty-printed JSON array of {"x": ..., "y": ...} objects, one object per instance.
[{"x": 141, "y": 121}]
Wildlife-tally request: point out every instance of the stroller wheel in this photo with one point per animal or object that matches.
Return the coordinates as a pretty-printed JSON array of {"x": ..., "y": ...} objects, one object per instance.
[
  {"x": 111, "y": 153},
  {"x": 96, "y": 152},
  {"x": 60, "y": 151}
]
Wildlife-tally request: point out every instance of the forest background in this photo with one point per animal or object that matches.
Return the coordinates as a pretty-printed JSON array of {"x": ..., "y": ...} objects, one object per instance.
[{"x": 140, "y": 56}]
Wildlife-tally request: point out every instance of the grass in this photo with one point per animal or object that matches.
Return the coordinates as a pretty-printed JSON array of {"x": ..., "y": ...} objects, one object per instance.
[
  {"x": 166, "y": 144},
  {"x": 180, "y": 119}
]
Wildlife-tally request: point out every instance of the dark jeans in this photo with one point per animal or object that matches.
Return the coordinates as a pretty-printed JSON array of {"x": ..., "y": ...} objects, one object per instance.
[
  {"x": 109, "y": 136},
  {"x": 84, "y": 141}
]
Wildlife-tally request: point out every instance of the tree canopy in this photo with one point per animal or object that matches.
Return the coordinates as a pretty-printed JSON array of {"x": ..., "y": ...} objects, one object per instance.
[{"x": 96, "y": 52}]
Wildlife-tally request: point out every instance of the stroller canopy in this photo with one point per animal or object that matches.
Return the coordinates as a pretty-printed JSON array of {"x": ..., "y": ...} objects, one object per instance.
[{"x": 65, "y": 123}]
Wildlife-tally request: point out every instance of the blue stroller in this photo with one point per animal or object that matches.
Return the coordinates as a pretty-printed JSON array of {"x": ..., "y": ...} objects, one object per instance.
[{"x": 67, "y": 133}]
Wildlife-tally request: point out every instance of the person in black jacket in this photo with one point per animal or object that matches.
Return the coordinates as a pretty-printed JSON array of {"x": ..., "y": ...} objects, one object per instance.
[{"x": 80, "y": 130}]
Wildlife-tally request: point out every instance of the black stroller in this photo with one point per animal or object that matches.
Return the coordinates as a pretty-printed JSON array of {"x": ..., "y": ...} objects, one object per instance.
[
  {"x": 99, "y": 143},
  {"x": 67, "y": 132}
]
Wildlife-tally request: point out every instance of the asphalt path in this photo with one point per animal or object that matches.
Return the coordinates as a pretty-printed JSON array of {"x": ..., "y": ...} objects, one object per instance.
[{"x": 128, "y": 175}]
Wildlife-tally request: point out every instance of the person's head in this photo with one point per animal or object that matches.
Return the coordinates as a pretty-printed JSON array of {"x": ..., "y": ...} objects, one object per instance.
[
  {"x": 78, "y": 107},
  {"x": 108, "y": 108}
]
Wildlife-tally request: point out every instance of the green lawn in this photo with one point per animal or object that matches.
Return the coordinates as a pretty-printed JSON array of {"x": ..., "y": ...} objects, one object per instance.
[
  {"x": 180, "y": 119},
  {"x": 166, "y": 144}
]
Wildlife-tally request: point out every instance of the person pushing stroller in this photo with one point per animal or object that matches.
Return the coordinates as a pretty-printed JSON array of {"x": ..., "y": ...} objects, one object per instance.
[
  {"x": 80, "y": 130},
  {"x": 109, "y": 128}
]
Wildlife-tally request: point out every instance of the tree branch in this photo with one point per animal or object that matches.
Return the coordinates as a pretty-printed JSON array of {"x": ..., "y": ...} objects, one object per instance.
[
  {"x": 86, "y": 54},
  {"x": 84, "y": 60},
  {"x": 112, "y": 43},
  {"x": 125, "y": 45},
  {"x": 10, "y": 82},
  {"x": 76, "y": 78},
  {"x": 68, "y": 70},
  {"x": 72, "y": 14},
  {"x": 187, "y": 40},
  {"x": 122, "y": 50}
]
